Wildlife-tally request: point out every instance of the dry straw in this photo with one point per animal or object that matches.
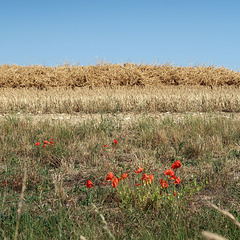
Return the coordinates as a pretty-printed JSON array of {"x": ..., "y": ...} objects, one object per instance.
[
  {"x": 122, "y": 99},
  {"x": 225, "y": 213},
  {"x": 20, "y": 204},
  {"x": 214, "y": 236},
  {"x": 112, "y": 75}
]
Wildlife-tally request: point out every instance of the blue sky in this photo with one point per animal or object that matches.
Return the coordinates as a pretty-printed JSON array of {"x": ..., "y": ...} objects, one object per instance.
[{"x": 181, "y": 32}]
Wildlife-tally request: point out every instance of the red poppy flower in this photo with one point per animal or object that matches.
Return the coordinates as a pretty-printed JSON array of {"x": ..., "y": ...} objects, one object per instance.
[
  {"x": 139, "y": 170},
  {"x": 37, "y": 144},
  {"x": 115, "y": 141},
  {"x": 104, "y": 183},
  {"x": 51, "y": 143},
  {"x": 44, "y": 145},
  {"x": 176, "y": 164},
  {"x": 89, "y": 184},
  {"x": 109, "y": 176},
  {"x": 175, "y": 194},
  {"x": 169, "y": 172},
  {"x": 137, "y": 184},
  {"x": 46, "y": 142},
  {"x": 105, "y": 146},
  {"x": 145, "y": 177},
  {"x": 173, "y": 177},
  {"x": 163, "y": 184},
  {"x": 115, "y": 182},
  {"x": 178, "y": 180},
  {"x": 150, "y": 178},
  {"x": 5, "y": 183},
  {"x": 124, "y": 176}
]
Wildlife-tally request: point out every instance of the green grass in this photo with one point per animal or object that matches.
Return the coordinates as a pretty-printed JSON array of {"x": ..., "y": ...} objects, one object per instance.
[{"x": 57, "y": 204}]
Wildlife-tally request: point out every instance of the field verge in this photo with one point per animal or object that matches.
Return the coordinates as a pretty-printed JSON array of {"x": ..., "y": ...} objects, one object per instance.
[{"x": 57, "y": 203}]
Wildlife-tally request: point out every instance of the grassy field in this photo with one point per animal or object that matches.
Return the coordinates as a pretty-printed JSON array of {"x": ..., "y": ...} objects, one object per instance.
[{"x": 54, "y": 139}]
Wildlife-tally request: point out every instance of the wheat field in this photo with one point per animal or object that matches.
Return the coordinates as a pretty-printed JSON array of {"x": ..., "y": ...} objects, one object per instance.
[
  {"x": 125, "y": 99},
  {"x": 114, "y": 75},
  {"x": 118, "y": 88}
]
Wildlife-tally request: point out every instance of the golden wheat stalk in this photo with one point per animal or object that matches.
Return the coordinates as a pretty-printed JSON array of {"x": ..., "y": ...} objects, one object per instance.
[
  {"x": 212, "y": 236},
  {"x": 20, "y": 204},
  {"x": 225, "y": 213}
]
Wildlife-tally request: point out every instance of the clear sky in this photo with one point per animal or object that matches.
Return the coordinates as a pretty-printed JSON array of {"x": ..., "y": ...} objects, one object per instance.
[{"x": 181, "y": 32}]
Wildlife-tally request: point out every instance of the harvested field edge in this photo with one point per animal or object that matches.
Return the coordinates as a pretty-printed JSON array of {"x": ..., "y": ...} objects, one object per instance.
[{"x": 174, "y": 99}]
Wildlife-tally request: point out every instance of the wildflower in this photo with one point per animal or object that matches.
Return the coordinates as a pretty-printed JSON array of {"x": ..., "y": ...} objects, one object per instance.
[
  {"x": 46, "y": 142},
  {"x": 163, "y": 184},
  {"x": 115, "y": 141},
  {"x": 109, "y": 176},
  {"x": 5, "y": 183},
  {"x": 178, "y": 180},
  {"x": 139, "y": 170},
  {"x": 44, "y": 145},
  {"x": 145, "y": 177},
  {"x": 104, "y": 183},
  {"x": 137, "y": 184},
  {"x": 89, "y": 184},
  {"x": 173, "y": 177},
  {"x": 175, "y": 194},
  {"x": 51, "y": 143},
  {"x": 115, "y": 182},
  {"x": 124, "y": 176},
  {"x": 105, "y": 146},
  {"x": 169, "y": 172},
  {"x": 176, "y": 164},
  {"x": 37, "y": 144},
  {"x": 150, "y": 178}
]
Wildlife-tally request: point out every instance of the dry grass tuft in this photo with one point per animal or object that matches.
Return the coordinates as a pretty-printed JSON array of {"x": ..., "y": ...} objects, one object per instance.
[{"x": 114, "y": 75}]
